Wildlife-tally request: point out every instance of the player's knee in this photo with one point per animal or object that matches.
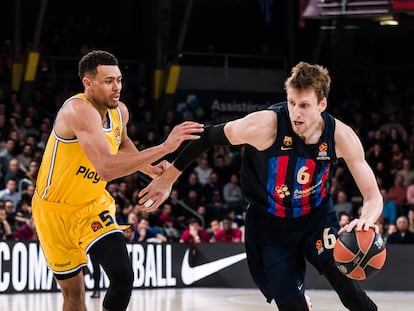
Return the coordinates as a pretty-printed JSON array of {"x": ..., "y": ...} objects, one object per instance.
[
  {"x": 123, "y": 278},
  {"x": 350, "y": 293}
]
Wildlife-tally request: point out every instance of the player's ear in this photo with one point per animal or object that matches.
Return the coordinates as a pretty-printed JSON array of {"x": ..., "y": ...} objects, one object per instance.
[
  {"x": 323, "y": 104},
  {"x": 86, "y": 82}
]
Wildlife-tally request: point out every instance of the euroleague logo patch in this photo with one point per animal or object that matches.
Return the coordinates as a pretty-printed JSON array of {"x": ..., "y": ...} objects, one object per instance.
[
  {"x": 323, "y": 152},
  {"x": 96, "y": 225}
]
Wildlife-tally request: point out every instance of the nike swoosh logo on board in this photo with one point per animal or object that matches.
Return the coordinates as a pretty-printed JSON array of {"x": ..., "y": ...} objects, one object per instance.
[{"x": 189, "y": 274}]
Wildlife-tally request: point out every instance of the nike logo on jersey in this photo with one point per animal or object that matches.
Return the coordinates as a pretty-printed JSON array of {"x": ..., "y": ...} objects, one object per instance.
[
  {"x": 285, "y": 148},
  {"x": 189, "y": 274}
]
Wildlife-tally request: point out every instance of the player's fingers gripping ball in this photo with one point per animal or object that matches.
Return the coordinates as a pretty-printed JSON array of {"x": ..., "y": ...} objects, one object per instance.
[{"x": 360, "y": 254}]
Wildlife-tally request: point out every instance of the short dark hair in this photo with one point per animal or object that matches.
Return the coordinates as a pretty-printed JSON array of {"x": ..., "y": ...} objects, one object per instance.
[
  {"x": 193, "y": 220},
  {"x": 90, "y": 62}
]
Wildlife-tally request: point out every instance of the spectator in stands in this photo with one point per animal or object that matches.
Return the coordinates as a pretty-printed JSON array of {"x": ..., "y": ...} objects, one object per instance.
[
  {"x": 10, "y": 213},
  {"x": 167, "y": 221},
  {"x": 216, "y": 205},
  {"x": 410, "y": 194},
  {"x": 41, "y": 144},
  {"x": 27, "y": 128},
  {"x": 380, "y": 223},
  {"x": 25, "y": 157},
  {"x": 26, "y": 232},
  {"x": 191, "y": 183},
  {"x": 335, "y": 187},
  {"x": 121, "y": 214},
  {"x": 7, "y": 154},
  {"x": 147, "y": 234},
  {"x": 398, "y": 194},
  {"x": 342, "y": 203},
  {"x": 233, "y": 195},
  {"x": 3, "y": 128},
  {"x": 213, "y": 184},
  {"x": 389, "y": 210},
  {"x": 394, "y": 137},
  {"x": 5, "y": 229},
  {"x": 165, "y": 216},
  {"x": 192, "y": 199},
  {"x": 376, "y": 154},
  {"x": 112, "y": 188},
  {"x": 10, "y": 192},
  {"x": 203, "y": 169},
  {"x": 236, "y": 220},
  {"x": 31, "y": 140},
  {"x": 194, "y": 233},
  {"x": 129, "y": 234},
  {"x": 396, "y": 158},
  {"x": 32, "y": 171},
  {"x": 402, "y": 235},
  {"x": 343, "y": 177},
  {"x": 407, "y": 172},
  {"x": 14, "y": 171},
  {"x": 384, "y": 178},
  {"x": 221, "y": 167},
  {"x": 393, "y": 122},
  {"x": 213, "y": 226},
  {"x": 147, "y": 124},
  {"x": 377, "y": 136},
  {"x": 121, "y": 195},
  {"x": 410, "y": 140},
  {"x": 23, "y": 213},
  {"x": 390, "y": 228},
  {"x": 344, "y": 218},
  {"x": 227, "y": 233},
  {"x": 410, "y": 217}
]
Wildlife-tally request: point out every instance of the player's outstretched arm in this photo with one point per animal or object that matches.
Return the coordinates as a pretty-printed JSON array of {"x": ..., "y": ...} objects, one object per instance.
[{"x": 257, "y": 129}]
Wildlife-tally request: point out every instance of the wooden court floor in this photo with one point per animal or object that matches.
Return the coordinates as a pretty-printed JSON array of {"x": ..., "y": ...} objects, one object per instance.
[{"x": 202, "y": 299}]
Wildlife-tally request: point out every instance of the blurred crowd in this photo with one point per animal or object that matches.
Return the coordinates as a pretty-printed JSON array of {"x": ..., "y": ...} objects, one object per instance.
[{"x": 206, "y": 204}]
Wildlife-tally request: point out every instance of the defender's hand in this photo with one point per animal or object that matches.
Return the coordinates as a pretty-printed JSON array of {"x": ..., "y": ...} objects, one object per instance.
[{"x": 187, "y": 130}]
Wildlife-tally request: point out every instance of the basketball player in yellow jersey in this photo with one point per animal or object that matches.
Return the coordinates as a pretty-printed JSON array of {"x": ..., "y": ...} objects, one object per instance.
[{"x": 73, "y": 213}]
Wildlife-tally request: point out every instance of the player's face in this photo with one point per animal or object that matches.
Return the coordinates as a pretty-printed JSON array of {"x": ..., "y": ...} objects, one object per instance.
[
  {"x": 105, "y": 88},
  {"x": 304, "y": 110}
]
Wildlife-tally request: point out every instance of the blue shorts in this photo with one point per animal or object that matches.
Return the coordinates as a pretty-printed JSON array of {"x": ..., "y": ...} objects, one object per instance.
[{"x": 277, "y": 248}]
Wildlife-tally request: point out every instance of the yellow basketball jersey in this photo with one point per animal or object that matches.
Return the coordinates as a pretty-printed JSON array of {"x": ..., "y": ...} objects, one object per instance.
[{"x": 66, "y": 175}]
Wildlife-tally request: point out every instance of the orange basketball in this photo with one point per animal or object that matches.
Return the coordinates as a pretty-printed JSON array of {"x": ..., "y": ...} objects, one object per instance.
[{"x": 360, "y": 254}]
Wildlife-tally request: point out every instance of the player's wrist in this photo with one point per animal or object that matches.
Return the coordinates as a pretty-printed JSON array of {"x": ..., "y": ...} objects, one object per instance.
[{"x": 171, "y": 173}]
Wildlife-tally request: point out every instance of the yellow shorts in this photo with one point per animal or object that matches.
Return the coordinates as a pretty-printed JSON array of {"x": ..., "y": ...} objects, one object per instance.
[{"x": 66, "y": 232}]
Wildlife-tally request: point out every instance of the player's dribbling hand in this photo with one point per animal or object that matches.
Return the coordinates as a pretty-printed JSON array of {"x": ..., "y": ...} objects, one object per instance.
[{"x": 358, "y": 224}]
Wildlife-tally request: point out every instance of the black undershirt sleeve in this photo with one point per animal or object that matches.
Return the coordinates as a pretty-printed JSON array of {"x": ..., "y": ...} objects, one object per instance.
[{"x": 213, "y": 135}]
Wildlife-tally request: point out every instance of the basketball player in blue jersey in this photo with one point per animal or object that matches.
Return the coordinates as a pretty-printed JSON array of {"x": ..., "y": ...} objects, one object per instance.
[
  {"x": 73, "y": 212},
  {"x": 290, "y": 148}
]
